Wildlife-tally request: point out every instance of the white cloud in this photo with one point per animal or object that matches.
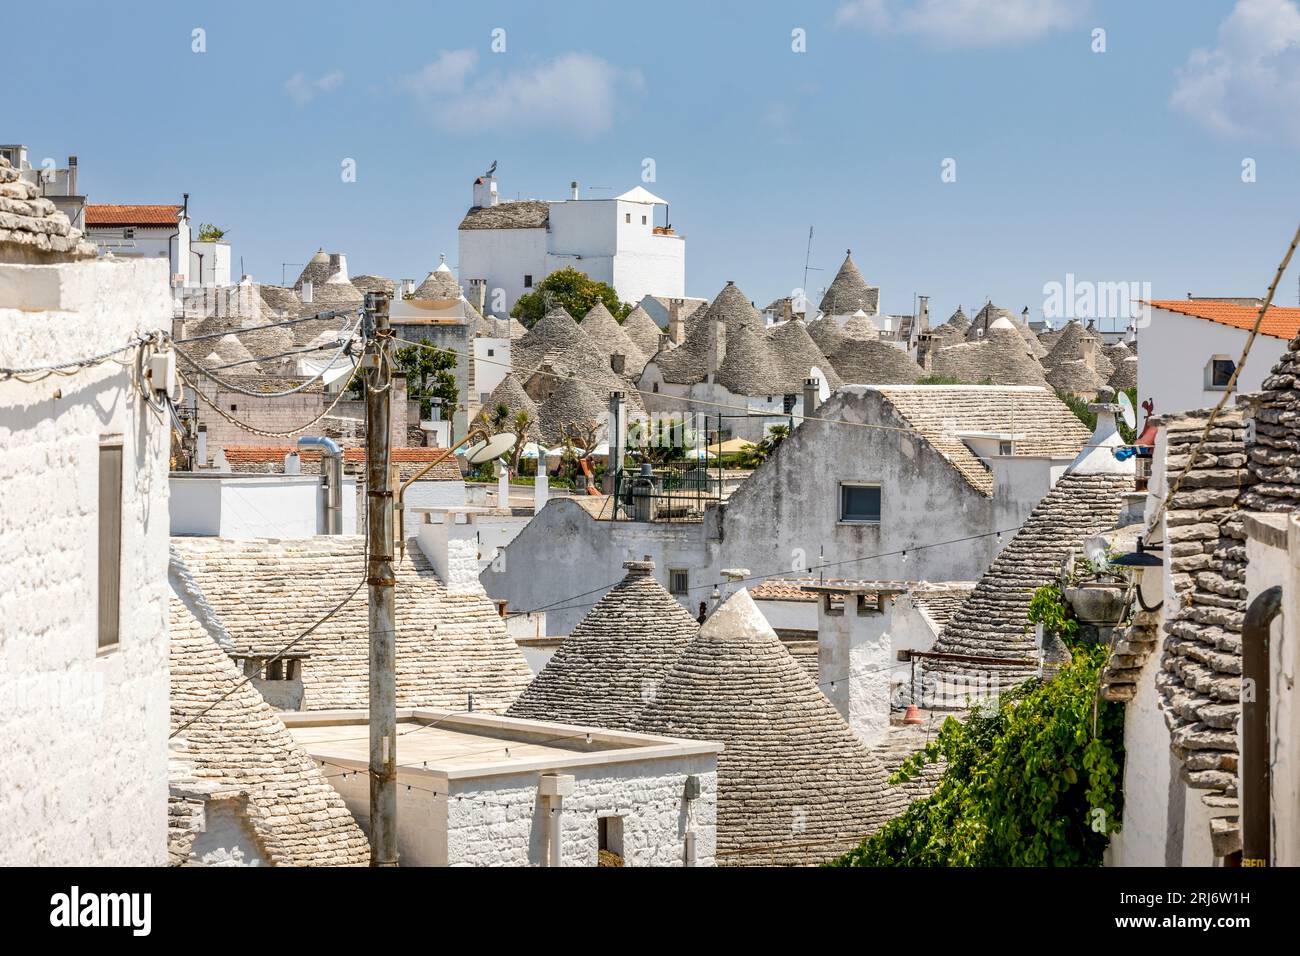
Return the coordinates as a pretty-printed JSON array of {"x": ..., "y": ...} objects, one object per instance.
[
  {"x": 1250, "y": 82},
  {"x": 575, "y": 92},
  {"x": 962, "y": 22},
  {"x": 302, "y": 90}
]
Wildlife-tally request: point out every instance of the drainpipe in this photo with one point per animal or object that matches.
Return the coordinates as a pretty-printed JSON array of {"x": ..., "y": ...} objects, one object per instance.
[
  {"x": 331, "y": 462},
  {"x": 1256, "y": 775}
]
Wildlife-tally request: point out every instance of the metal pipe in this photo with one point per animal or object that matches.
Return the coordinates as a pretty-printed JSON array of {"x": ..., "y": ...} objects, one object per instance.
[
  {"x": 1256, "y": 774},
  {"x": 332, "y": 474}
]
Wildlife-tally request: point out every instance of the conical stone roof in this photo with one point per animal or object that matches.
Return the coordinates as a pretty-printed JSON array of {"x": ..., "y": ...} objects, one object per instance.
[
  {"x": 440, "y": 284},
  {"x": 994, "y": 620},
  {"x": 1075, "y": 377},
  {"x": 610, "y": 338},
  {"x": 795, "y": 786},
  {"x": 827, "y": 334},
  {"x": 873, "y": 362},
  {"x": 510, "y": 393},
  {"x": 316, "y": 271},
  {"x": 571, "y": 405},
  {"x": 643, "y": 331},
  {"x": 688, "y": 363},
  {"x": 1125, "y": 375},
  {"x": 999, "y": 357},
  {"x": 797, "y": 354},
  {"x": 986, "y": 318},
  {"x": 1069, "y": 348},
  {"x": 557, "y": 341},
  {"x": 849, "y": 292},
  {"x": 860, "y": 326},
  {"x": 609, "y": 668}
]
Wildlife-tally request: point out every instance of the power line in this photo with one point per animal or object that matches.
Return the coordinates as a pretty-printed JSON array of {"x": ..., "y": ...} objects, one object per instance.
[
  {"x": 264, "y": 432},
  {"x": 72, "y": 366},
  {"x": 760, "y": 577},
  {"x": 271, "y": 358},
  {"x": 318, "y": 317}
]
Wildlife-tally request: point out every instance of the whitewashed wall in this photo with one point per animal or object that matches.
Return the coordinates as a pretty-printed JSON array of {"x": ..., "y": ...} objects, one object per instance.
[{"x": 83, "y": 776}]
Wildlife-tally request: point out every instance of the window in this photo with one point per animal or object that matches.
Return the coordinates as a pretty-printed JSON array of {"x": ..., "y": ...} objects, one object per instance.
[
  {"x": 787, "y": 403},
  {"x": 679, "y": 581},
  {"x": 627, "y": 217},
  {"x": 128, "y": 233},
  {"x": 1218, "y": 372},
  {"x": 643, "y": 222},
  {"x": 491, "y": 352},
  {"x": 1005, "y": 448},
  {"x": 859, "y": 503},
  {"x": 528, "y": 281},
  {"x": 656, "y": 386},
  {"x": 110, "y": 544}
]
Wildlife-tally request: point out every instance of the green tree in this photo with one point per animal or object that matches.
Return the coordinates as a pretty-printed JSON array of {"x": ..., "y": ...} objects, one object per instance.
[
  {"x": 574, "y": 290},
  {"x": 210, "y": 233},
  {"x": 755, "y": 455},
  {"x": 429, "y": 375}
]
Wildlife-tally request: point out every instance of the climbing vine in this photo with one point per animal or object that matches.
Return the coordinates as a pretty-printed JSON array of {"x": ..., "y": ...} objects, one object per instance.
[
  {"x": 1047, "y": 607},
  {"x": 1032, "y": 781}
]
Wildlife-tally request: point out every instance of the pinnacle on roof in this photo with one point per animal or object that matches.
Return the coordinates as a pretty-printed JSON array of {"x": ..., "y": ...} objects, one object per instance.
[
  {"x": 794, "y": 783},
  {"x": 606, "y": 670},
  {"x": 848, "y": 291}
]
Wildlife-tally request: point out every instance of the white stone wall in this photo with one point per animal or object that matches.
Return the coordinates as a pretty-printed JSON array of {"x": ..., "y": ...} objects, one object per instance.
[
  {"x": 83, "y": 778},
  {"x": 1173, "y": 352},
  {"x": 501, "y": 821},
  {"x": 503, "y": 257}
]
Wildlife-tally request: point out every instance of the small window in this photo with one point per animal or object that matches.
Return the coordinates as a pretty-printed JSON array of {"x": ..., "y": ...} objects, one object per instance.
[
  {"x": 656, "y": 386},
  {"x": 643, "y": 220},
  {"x": 110, "y": 544},
  {"x": 787, "y": 403},
  {"x": 234, "y": 408},
  {"x": 128, "y": 233},
  {"x": 1219, "y": 372},
  {"x": 860, "y": 503},
  {"x": 528, "y": 281},
  {"x": 679, "y": 581},
  {"x": 491, "y": 352},
  {"x": 627, "y": 217},
  {"x": 1004, "y": 448}
]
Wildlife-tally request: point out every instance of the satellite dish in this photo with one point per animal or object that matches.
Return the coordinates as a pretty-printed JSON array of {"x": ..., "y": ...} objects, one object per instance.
[
  {"x": 489, "y": 449},
  {"x": 1126, "y": 410}
]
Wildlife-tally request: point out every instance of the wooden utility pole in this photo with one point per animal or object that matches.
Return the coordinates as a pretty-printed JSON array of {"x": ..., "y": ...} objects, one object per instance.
[{"x": 381, "y": 581}]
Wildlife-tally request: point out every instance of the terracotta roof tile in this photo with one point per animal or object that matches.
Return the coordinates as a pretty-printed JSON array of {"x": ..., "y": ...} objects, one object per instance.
[
  {"x": 1279, "y": 322},
  {"x": 112, "y": 215}
]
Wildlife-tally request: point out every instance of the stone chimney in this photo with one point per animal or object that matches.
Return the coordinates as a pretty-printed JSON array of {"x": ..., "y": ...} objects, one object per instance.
[
  {"x": 478, "y": 295},
  {"x": 811, "y": 394},
  {"x": 1088, "y": 351},
  {"x": 450, "y": 540},
  {"x": 308, "y": 291},
  {"x": 676, "y": 327},
  {"x": 854, "y": 650},
  {"x": 1098, "y": 456},
  {"x": 665, "y": 340},
  {"x": 787, "y": 309},
  {"x": 338, "y": 268},
  {"x": 717, "y": 346},
  {"x": 645, "y": 568},
  {"x": 573, "y": 189},
  {"x": 922, "y": 315},
  {"x": 925, "y": 351}
]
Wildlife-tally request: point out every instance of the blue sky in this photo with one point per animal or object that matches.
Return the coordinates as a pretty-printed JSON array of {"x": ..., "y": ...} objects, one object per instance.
[{"x": 1117, "y": 166}]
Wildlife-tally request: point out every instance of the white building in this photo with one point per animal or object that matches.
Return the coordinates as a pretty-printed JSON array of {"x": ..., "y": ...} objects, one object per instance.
[
  {"x": 160, "y": 232},
  {"x": 1191, "y": 346},
  {"x": 479, "y": 790},
  {"x": 83, "y": 529},
  {"x": 512, "y": 246}
]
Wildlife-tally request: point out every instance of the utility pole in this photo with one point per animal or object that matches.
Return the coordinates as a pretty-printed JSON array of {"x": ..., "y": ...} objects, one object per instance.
[{"x": 380, "y": 580}]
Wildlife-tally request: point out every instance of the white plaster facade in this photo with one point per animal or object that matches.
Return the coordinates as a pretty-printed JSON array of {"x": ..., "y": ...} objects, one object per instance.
[
  {"x": 1174, "y": 354},
  {"x": 83, "y": 779},
  {"x": 255, "y": 505},
  {"x": 615, "y": 240},
  {"x": 478, "y": 799}
]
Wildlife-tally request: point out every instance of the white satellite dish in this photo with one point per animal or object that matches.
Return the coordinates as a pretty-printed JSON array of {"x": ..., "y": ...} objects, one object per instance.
[
  {"x": 489, "y": 449},
  {"x": 1126, "y": 410}
]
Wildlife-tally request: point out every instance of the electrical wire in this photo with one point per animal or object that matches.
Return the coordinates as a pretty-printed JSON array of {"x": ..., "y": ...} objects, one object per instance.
[
  {"x": 318, "y": 317},
  {"x": 264, "y": 432},
  {"x": 774, "y": 574},
  {"x": 1232, "y": 382},
  {"x": 203, "y": 370},
  {"x": 32, "y": 374},
  {"x": 272, "y": 358}
]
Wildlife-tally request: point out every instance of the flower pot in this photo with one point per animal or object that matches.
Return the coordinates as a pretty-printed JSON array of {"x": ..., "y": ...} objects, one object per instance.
[{"x": 1098, "y": 604}]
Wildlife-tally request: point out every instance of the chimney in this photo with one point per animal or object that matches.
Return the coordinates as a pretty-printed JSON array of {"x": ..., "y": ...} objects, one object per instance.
[
  {"x": 811, "y": 393},
  {"x": 717, "y": 346},
  {"x": 541, "y": 490},
  {"x": 72, "y": 175},
  {"x": 854, "y": 645},
  {"x": 573, "y": 189},
  {"x": 925, "y": 351},
  {"x": 338, "y": 267},
  {"x": 450, "y": 540},
  {"x": 787, "y": 309},
  {"x": 478, "y": 294},
  {"x": 618, "y": 362},
  {"x": 1088, "y": 351},
  {"x": 676, "y": 328},
  {"x": 665, "y": 340},
  {"x": 307, "y": 293},
  {"x": 485, "y": 191},
  {"x": 923, "y": 315}
]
